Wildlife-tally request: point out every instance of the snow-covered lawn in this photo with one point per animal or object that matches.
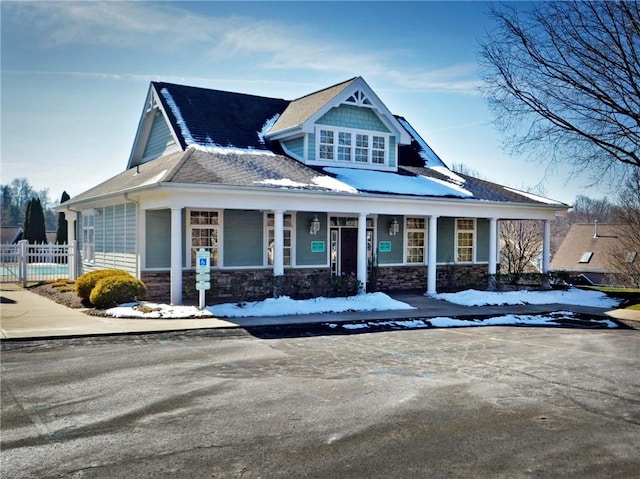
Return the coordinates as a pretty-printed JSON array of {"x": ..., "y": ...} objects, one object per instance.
[
  {"x": 575, "y": 296},
  {"x": 285, "y": 306}
]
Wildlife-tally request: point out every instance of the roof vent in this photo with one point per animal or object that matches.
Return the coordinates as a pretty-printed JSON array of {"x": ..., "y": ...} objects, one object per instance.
[
  {"x": 595, "y": 233},
  {"x": 586, "y": 257}
]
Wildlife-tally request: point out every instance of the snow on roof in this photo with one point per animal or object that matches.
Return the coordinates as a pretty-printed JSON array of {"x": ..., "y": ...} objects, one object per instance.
[
  {"x": 209, "y": 145},
  {"x": 388, "y": 182},
  {"x": 531, "y": 196},
  {"x": 426, "y": 153}
]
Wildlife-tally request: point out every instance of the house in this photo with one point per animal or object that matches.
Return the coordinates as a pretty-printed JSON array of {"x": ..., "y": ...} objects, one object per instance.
[
  {"x": 586, "y": 253},
  {"x": 328, "y": 183},
  {"x": 10, "y": 234}
]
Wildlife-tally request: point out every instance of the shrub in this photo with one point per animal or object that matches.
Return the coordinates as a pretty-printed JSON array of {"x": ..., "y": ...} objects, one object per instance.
[
  {"x": 117, "y": 289},
  {"x": 86, "y": 282}
]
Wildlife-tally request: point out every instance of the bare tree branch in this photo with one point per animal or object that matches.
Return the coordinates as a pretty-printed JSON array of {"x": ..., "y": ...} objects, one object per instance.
[{"x": 563, "y": 81}]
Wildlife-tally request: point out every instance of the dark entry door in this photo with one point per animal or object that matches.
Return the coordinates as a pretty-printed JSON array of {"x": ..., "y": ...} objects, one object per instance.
[{"x": 349, "y": 250}]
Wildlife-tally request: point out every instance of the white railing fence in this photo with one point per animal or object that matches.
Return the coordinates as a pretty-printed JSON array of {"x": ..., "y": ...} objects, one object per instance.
[{"x": 24, "y": 262}]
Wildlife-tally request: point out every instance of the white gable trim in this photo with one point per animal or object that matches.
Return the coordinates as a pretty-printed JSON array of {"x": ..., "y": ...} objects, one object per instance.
[
  {"x": 152, "y": 105},
  {"x": 359, "y": 85}
]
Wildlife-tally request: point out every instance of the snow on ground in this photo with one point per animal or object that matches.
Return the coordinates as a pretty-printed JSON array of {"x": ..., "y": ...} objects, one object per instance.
[
  {"x": 575, "y": 296},
  {"x": 285, "y": 306}
]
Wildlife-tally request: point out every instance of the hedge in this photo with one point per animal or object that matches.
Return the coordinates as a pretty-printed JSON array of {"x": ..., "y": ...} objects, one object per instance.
[
  {"x": 118, "y": 289},
  {"x": 86, "y": 282}
]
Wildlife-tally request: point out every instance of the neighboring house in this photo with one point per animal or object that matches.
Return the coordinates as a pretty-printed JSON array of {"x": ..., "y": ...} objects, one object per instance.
[
  {"x": 325, "y": 183},
  {"x": 10, "y": 234},
  {"x": 585, "y": 253}
]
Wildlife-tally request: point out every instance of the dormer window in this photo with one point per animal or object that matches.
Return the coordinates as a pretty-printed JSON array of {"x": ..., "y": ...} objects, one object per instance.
[
  {"x": 352, "y": 146},
  {"x": 358, "y": 99}
]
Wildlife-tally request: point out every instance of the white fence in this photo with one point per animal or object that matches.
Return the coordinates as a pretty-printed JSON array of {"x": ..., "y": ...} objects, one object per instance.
[{"x": 24, "y": 262}]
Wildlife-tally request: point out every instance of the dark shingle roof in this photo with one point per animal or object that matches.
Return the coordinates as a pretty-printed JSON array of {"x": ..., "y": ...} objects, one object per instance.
[
  {"x": 582, "y": 239},
  {"x": 217, "y": 117}
]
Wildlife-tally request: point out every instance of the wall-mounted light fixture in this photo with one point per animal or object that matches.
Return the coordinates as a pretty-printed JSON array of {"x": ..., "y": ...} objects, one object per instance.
[
  {"x": 394, "y": 227},
  {"x": 314, "y": 226}
]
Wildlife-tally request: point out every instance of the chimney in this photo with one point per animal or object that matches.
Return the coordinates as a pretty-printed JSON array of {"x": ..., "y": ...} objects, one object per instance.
[{"x": 595, "y": 234}]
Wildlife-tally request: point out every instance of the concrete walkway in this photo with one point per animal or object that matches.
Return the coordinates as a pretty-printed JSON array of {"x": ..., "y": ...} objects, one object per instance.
[{"x": 24, "y": 315}]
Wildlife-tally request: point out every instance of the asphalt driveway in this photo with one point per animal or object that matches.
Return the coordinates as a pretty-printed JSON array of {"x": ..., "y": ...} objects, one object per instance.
[{"x": 499, "y": 402}]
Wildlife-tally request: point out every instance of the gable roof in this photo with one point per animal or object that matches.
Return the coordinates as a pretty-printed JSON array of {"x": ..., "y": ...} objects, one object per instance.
[
  {"x": 214, "y": 118},
  {"x": 572, "y": 255}
]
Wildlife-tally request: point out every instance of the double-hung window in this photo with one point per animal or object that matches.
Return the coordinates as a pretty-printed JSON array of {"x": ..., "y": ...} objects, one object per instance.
[
  {"x": 88, "y": 237},
  {"x": 352, "y": 146},
  {"x": 465, "y": 235},
  {"x": 204, "y": 231},
  {"x": 415, "y": 228},
  {"x": 288, "y": 228}
]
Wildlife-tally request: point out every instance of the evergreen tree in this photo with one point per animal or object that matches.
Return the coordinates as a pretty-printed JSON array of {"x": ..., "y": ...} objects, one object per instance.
[
  {"x": 61, "y": 232},
  {"x": 34, "y": 228}
]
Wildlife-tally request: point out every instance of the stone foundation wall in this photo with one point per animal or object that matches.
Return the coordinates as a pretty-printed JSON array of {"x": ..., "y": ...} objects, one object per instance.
[{"x": 252, "y": 285}]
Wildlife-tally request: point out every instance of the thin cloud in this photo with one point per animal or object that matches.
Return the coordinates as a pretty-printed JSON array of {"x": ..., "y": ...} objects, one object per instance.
[{"x": 266, "y": 44}]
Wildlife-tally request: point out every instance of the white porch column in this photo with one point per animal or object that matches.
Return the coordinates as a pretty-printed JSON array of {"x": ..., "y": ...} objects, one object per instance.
[
  {"x": 72, "y": 261},
  {"x": 546, "y": 252},
  {"x": 493, "y": 245},
  {"x": 362, "y": 251},
  {"x": 546, "y": 245},
  {"x": 493, "y": 253},
  {"x": 141, "y": 240},
  {"x": 278, "y": 243},
  {"x": 431, "y": 256},
  {"x": 176, "y": 256}
]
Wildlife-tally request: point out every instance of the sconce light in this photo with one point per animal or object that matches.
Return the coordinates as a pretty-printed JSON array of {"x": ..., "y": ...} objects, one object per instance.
[
  {"x": 394, "y": 227},
  {"x": 314, "y": 226}
]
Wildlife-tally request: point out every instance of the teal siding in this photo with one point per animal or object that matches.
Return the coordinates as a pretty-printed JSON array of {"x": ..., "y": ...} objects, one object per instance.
[
  {"x": 396, "y": 255},
  {"x": 304, "y": 256},
  {"x": 311, "y": 147},
  {"x": 158, "y": 238},
  {"x": 348, "y": 116},
  {"x": 295, "y": 146},
  {"x": 160, "y": 139},
  {"x": 392, "y": 152},
  {"x": 243, "y": 238},
  {"x": 482, "y": 240},
  {"x": 115, "y": 237},
  {"x": 445, "y": 251}
]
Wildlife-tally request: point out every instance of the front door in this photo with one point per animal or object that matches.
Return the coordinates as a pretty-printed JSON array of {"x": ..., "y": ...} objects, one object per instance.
[{"x": 349, "y": 251}]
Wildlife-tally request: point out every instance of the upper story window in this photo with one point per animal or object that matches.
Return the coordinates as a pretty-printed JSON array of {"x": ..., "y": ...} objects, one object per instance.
[
  {"x": 203, "y": 232},
  {"x": 352, "y": 146},
  {"x": 465, "y": 235}
]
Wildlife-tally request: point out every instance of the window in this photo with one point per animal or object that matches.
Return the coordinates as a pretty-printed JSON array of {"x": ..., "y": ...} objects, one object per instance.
[
  {"x": 465, "y": 231},
  {"x": 351, "y": 146},
  {"x": 631, "y": 256},
  {"x": 586, "y": 257},
  {"x": 288, "y": 228},
  {"x": 88, "y": 237},
  {"x": 203, "y": 233},
  {"x": 326, "y": 145},
  {"x": 415, "y": 240}
]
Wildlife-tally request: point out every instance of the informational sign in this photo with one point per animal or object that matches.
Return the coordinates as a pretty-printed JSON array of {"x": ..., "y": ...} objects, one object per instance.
[
  {"x": 203, "y": 261},
  {"x": 384, "y": 246},
  {"x": 317, "y": 247},
  {"x": 203, "y": 274}
]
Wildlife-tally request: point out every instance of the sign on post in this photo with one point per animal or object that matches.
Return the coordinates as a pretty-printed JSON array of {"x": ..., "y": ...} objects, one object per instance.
[{"x": 203, "y": 274}]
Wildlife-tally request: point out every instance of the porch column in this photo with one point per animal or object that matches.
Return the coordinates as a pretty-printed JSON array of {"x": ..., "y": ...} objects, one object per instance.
[
  {"x": 176, "y": 256},
  {"x": 546, "y": 252},
  {"x": 72, "y": 261},
  {"x": 432, "y": 249},
  {"x": 141, "y": 242},
  {"x": 493, "y": 253},
  {"x": 278, "y": 243},
  {"x": 362, "y": 251}
]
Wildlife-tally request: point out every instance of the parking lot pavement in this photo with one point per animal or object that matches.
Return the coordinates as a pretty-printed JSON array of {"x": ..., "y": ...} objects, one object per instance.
[{"x": 494, "y": 402}]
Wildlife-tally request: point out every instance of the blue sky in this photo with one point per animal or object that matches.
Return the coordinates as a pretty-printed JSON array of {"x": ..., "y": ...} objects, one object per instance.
[{"x": 75, "y": 76}]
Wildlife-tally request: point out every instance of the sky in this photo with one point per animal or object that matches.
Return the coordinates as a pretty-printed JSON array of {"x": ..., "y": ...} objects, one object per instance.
[{"x": 75, "y": 76}]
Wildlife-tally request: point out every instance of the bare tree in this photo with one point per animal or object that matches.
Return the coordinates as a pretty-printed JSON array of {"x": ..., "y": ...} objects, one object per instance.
[
  {"x": 625, "y": 257},
  {"x": 564, "y": 78},
  {"x": 521, "y": 242}
]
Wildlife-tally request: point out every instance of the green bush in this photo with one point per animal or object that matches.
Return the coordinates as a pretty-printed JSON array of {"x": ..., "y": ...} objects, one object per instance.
[
  {"x": 118, "y": 289},
  {"x": 86, "y": 282}
]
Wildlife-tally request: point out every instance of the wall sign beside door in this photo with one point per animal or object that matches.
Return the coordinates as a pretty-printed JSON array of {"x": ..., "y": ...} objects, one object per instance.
[
  {"x": 317, "y": 247},
  {"x": 384, "y": 246}
]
